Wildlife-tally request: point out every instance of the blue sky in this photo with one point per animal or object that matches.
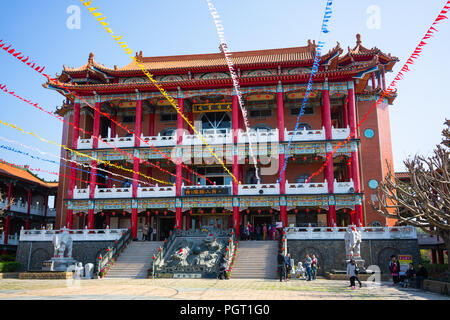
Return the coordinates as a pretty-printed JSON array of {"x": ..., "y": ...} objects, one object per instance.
[{"x": 172, "y": 27}]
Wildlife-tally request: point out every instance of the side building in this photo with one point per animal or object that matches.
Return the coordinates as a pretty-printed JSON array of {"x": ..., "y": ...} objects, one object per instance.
[
  {"x": 25, "y": 204},
  {"x": 131, "y": 175}
]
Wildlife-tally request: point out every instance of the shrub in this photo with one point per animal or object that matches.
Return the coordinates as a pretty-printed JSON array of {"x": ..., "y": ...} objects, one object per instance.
[
  {"x": 7, "y": 258},
  {"x": 436, "y": 269},
  {"x": 10, "y": 266}
]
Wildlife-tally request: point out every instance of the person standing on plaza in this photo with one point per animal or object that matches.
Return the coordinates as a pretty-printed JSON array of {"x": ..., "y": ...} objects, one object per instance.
[
  {"x": 252, "y": 231},
  {"x": 314, "y": 266},
  {"x": 281, "y": 265},
  {"x": 145, "y": 233},
  {"x": 352, "y": 272},
  {"x": 264, "y": 230},
  {"x": 288, "y": 266},
  {"x": 421, "y": 275},
  {"x": 150, "y": 233},
  {"x": 247, "y": 232},
  {"x": 308, "y": 262},
  {"x": 394, "y": 268},
  {"x": 258, "y": 232},
  {"x": 409, "y": 275}
]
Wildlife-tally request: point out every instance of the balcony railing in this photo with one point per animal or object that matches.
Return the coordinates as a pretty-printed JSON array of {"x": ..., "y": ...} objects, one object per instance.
[
  {"x": 338, "y": 233},
  {"x": 220, "y": 137},
  {"x": 243, "y": 190},
  {"x": 13, "y": 239},
  {"x": 76, "y": 234},
  {"x": 22, "y": 207}
]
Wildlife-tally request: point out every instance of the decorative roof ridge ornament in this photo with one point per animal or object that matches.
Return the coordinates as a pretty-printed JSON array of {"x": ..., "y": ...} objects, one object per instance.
[{"x": 90, "y": 59}]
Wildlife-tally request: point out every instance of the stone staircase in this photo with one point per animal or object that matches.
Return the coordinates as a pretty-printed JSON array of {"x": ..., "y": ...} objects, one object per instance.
[
  {"x": 135, "y": 260},
  {"x": 256, "y": 259}
]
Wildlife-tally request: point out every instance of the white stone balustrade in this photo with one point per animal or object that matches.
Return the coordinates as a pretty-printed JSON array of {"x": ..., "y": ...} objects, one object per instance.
[
  {"x": 214, "y": 136},
  {"x": 258, "y": 136},
  {"x": 104, "y": 193},
  {"x": 306, "y": 188},
  {"x": 76, "y": 234},
  {"x": 210, "y": 136},
  {"x": 344, "y": 187},
  {"x": 156, "y": 191},
  {"x": 81, "y": 193},
  {"x": 305, "y": 135},
  {"x": 340, "y": 133},
  {"x": 158, "y": 141},
  {"x": 22, "y": 207},
  {"x": 338, "y": 233},
  {"x": 254, "y": 189},
  {"x": 13, "y": 239}
]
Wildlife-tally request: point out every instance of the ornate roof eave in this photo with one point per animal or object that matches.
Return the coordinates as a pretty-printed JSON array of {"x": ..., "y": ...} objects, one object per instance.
[{"x": 332, "y": 75}]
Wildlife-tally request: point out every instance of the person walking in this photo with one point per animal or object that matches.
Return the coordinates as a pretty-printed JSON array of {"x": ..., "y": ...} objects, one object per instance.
[
  {"x": 308, "y": 263},
  {"x": 421, "y": 275},
  {"x": 281, "y": 265},
  {"x": 223, "y": 269},
  {"x": 314, "y": 267},
  {"x": 352, "y": 272},
  {"x": 264, "y": 230},
  {"x": 394, "y": 268}
]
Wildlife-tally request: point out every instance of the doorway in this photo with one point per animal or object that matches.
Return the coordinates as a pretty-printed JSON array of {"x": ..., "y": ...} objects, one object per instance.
[{"x": 165, "y": 226}]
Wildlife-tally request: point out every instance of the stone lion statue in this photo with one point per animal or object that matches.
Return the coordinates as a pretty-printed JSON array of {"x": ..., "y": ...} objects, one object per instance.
[
  {"x": 62, "y": 244},
  {"x": 352, "y": 243}
]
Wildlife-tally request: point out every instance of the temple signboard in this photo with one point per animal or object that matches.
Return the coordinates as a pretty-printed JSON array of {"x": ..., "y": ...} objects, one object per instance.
[{"x": 207, "y": 190}]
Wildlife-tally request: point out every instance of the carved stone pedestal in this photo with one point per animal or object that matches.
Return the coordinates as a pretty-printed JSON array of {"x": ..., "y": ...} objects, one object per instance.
[{"x": 58, "y": 264}]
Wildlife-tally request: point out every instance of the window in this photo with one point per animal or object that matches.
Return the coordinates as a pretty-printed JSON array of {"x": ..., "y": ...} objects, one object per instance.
[
  {"x": 216, "y": 122},
  {"x": 303, "y": 178},
  {"x": 128, "y": 119},
  {"x": 168, "y": 117},
  {"x": 296, "y": 106},
  {"x": 376, "y": 224},
  {"x": 261, "y": 114},
  {"x": 260, "y": 109}
]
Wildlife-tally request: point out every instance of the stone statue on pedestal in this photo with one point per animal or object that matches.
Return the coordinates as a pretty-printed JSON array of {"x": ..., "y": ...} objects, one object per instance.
[
  {"x": 62, "y": 257},
  {"x": 62, "y": 243},
  {"x": 352, "y": 243},
  {"x": 88, "y": 270}
]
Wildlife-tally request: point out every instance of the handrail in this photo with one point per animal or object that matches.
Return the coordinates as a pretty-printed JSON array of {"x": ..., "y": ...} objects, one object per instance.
[
  {"x": 159, "y": 257},
  {"x": 103, "y": 263}
]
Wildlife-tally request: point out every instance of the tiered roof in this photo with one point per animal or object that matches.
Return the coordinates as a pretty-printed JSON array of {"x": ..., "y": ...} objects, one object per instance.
[
  {"x": 357, "y": 63},
  {"x": 23, "y": 174}
]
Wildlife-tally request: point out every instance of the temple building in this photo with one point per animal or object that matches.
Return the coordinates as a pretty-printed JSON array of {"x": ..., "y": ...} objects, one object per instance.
[
  {"x": 25, "y": 204},
  {"x": 149, "y": 166}
]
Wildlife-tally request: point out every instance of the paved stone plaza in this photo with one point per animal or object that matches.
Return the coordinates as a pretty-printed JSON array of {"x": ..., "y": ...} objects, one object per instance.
[{"x": 205, "y": 289}]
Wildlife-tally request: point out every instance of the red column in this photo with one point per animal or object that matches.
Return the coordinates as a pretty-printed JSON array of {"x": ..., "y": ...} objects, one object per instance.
[
  {"x": 151, "y": 123},
  {"x": 73, "y": 172},
  {"x": 383, "y": 78},
  {"x": 7, "y": 220},
  {"x": 138, "y": 123},
  {"x": 191, "y": 120},
  {"x": 355, "y": 157},
  {"x": 373, "y": 80},
  {"x": 28, "y": 221},
  {"x": 378, "y": 80},
  {"x": 433, "y": 256},
  {"x": 329, "y": 170},
  {"x": 113, "y": 124},
  {"x": 281, "y": 155},
  {"x": 345, "y": 111},
  {"x": 235, "y": 169},
  {"x": 179, "y": 171},
  {"x": 440, "y": 256},
  {"x": 108, "y": 220},
  {"x": 93, "y": 171}
]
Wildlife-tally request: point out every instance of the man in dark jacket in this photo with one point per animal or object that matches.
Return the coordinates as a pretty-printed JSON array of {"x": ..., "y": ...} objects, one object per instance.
[
  {"x": 150, "y": 233},
  {"x": 421, "y": 275},
  {"x": 281, "y": 265}
]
